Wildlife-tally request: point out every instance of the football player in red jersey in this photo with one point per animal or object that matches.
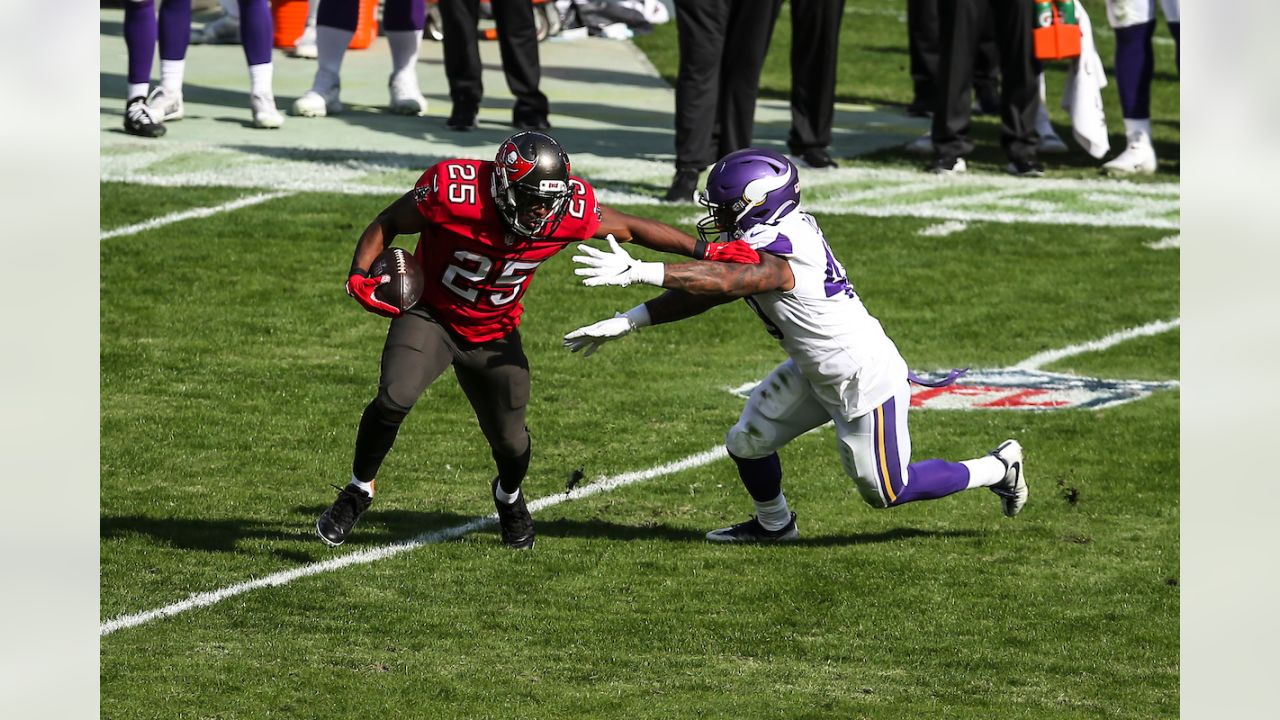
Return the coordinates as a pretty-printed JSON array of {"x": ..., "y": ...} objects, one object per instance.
[{"x": 484, "y": 229}]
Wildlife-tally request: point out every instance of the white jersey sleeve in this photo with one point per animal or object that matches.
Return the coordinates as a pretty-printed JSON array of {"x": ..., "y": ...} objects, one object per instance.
[{"x": 821, "y": 323}]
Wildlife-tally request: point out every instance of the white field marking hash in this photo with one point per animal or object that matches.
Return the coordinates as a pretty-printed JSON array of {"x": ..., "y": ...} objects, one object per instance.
[
  {"x": 190, "y": 215},
  {"x": 1173, "y": 242},
  {"x": 943, "y": 229},
  {"x": 204, "y": 599},
  {"x": 1038, "y": 361}
]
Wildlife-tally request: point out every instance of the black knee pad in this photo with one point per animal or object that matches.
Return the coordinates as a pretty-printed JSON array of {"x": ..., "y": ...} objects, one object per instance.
[{"x": 387, "y": 409}]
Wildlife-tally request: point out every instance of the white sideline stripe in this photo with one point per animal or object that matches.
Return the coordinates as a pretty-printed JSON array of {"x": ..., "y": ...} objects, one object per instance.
[
  {"x": 362, "y": 557},
  {"x": 191, "y": 214},
  {"x": 1036, "y": 362}
]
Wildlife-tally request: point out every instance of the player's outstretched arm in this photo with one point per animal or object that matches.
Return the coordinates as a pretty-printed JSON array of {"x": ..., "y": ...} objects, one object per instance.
[
  {"x": 615, "y": 266},
  {"x": 660, "y": 236},
  {"x": 668, "y": 307}
]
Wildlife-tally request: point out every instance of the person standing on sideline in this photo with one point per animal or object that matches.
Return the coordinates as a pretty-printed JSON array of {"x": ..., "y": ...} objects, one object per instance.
[
  {"x": 146, "y": 113},
  {"x": 815, "y": 42},
  {"x": 841, "y": 367},
  {"x": 1135, "y": 24},
  {"x": 518, "y": 44},
  {"x": 402, "y": 23},
  {"x": 961, "y": 27},
  {"x": 722, "y": 49}
]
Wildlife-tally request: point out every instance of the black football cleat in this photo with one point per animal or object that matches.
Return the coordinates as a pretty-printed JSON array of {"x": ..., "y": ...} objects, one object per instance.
[
  {"x": 335, "y": 524},
  {"x": 752, "y": 531},
  {"x": 683, "y": 186},
  {"x": 142, "y": 120},
  {"x": 514, "y": 520}
]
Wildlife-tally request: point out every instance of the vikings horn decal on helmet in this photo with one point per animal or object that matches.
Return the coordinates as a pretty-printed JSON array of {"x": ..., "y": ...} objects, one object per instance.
[
  {"x": 531, "y": 183},
  {"x": 747, "y": 188}
]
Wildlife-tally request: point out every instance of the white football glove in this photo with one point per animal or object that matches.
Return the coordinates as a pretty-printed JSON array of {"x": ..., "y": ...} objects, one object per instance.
[
  {"x": 591, "y": 337},
  {"x": 616, "y": 267}
]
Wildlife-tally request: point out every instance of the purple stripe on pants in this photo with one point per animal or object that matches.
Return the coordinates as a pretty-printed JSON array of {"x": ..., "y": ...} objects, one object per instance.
[
  {"x": 140, "y": 38},
  {"x": 255, "y": 31},
  {"x": 927, "y": 479}
]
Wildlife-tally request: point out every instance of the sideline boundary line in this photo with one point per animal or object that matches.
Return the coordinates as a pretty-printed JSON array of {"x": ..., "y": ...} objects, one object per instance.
[
  {"x": 204, "y": 599},
  {"x": 191, "y": 214},
  {"x": 1038, "y": 361}
]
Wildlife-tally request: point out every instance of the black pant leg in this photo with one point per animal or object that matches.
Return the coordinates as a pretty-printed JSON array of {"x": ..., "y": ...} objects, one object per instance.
[
  {"x": 986, "y": 59},
  {"x": 951, "y": 115},
  {"x": 815, "y": 42},
  {"x": 458, "y": 19},
  {"x": 924, "y": 47},
  {"x": 416, "y": 352},
  {"x": 495, "y": 378},
  {"x": 701, "y": 31},
  {"x": 1020, "y": 89},
  {"x": 518, "y": 43},
  {"x": 749, "y": 30}
]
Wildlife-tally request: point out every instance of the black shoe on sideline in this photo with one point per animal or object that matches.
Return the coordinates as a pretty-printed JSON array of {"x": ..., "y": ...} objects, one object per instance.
[
  {"x": 535, "y": 124},
  {"x": 1025, "y": 168},
  {"x": 752, "y": 531},
  {"x": 514, "y": 520},
  {"x": 140, "y": 119},
  {"x": 335, "y": 524},
  {"x": 683, "y": 186},
  {"x": 818, "y": 158},
  {"x": 919, "y": 108},
  {"x": 461, "y": 121}
]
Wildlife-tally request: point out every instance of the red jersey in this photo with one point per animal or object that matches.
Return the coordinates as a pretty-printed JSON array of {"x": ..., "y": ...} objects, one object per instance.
[{"x": 476, "y": 269}]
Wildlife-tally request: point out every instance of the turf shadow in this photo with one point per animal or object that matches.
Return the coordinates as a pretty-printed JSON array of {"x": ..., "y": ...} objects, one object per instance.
[{"x": 201, "y": 534}]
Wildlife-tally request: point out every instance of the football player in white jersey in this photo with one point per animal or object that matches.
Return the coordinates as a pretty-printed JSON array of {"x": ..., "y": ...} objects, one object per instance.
[
  {"x": 1135, "y": 24},
  {"x": 841, "y": 367}
]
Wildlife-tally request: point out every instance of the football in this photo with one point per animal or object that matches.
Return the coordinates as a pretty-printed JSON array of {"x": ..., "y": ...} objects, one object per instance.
[{"x": 406, "y": 278}]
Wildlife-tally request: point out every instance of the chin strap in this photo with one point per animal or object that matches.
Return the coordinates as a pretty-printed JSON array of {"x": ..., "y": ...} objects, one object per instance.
[{"x": 949, "y": 379}]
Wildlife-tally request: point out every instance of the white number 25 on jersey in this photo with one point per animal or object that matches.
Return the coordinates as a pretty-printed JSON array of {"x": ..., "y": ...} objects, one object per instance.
[{"x": 473, "y": 269}]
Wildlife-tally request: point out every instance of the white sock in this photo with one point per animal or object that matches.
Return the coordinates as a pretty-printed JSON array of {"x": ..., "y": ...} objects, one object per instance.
[
  {"x": 773, "y": 514},
  {"x": 313, "y": 9},
  {"x": 984, "y": 471},
  {"x": 404, "y": 50},
  {"x": 171, "y": 75},
  {"x": 503, "y": 496},
  {"x": 260, "y": 78},
  {"x": 331, "y": 47},
  {"x": 138, "y": 90},
  {"x": 365, "y": 486},
  {"x": 1144, "y": 126}
]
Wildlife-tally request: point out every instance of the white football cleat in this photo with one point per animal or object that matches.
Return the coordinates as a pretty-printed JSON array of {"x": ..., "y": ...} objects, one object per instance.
[
  {"x": 1012, "y": 489},
  {"x": 165, "y": 103},
  {"x": 265, "y": 113},
  {"x": 305, "y": 45},
  {"x": 1138, "y": 158},
  {"x": 222, "y": 31},
  {"x": 922, "y": 145},
  {"x": 315, "y": 104},
  {"x": 406, "y": 98},
  {"x": 1051, "y": 144}
]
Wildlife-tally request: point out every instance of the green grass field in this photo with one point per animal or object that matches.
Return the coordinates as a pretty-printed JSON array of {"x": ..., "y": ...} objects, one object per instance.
[{"x": 234, "y": 370}]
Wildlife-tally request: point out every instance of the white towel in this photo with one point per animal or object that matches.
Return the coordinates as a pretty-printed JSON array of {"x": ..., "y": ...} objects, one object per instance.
[{"x": 1082, "y": 96}]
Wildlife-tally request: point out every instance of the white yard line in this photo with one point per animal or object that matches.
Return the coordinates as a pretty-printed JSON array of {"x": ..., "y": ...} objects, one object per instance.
[
  {"x": 1036, "y": 362},
  {"x": 944, "y": 229},
  {"x": 362, "y": 557},
  {"x": 1173, "y": 242},
  {"x": 606, "y": 484},
  {"x": 190, "y": 215}
]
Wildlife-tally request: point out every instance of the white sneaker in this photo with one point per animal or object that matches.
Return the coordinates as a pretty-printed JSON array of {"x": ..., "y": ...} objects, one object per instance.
[
  {"x": 166, "y": 104},
  {"x": 922, "y": 145},
  {"x": 406, "y": 98},
  {"x": 222, "y": 31},
  {"x": 305, "y": 45},
  {"x": 314, "y": 104},
  {"x": 1139, "y": 157},
  {"x": 1051, "y": 144},
  {"x": 942, "y": 167},
  {"x": 1013, "y": 488},
  {"x": 265, "y": 113}
]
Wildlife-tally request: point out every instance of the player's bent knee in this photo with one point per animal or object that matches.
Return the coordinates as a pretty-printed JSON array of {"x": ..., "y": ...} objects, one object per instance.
[
  {"x": 391, "y": 406},
  {"x": 868, "y": 486},
  {"x": 749, "y": 440}
]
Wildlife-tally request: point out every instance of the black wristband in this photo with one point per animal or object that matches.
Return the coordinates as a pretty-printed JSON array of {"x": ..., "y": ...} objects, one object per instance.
[
  {"x": 356, "y": 270},
  {"x": 700, "y": 249}
]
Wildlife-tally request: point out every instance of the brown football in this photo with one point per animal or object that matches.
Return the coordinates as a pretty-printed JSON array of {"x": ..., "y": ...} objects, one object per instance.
[{"x": 406, "y": 278}]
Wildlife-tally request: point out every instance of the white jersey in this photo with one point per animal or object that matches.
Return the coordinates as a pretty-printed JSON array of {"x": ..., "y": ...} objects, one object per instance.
[{"x": 822, "y": 325}]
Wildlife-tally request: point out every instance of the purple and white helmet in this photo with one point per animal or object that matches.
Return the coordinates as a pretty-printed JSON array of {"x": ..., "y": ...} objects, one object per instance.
[{"x": 747, "y": 188}]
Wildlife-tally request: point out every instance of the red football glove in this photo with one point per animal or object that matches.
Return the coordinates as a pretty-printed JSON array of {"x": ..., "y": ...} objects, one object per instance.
[
  {"x": 361, "y": 288},
  {"x": 736, "y": 251}
]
